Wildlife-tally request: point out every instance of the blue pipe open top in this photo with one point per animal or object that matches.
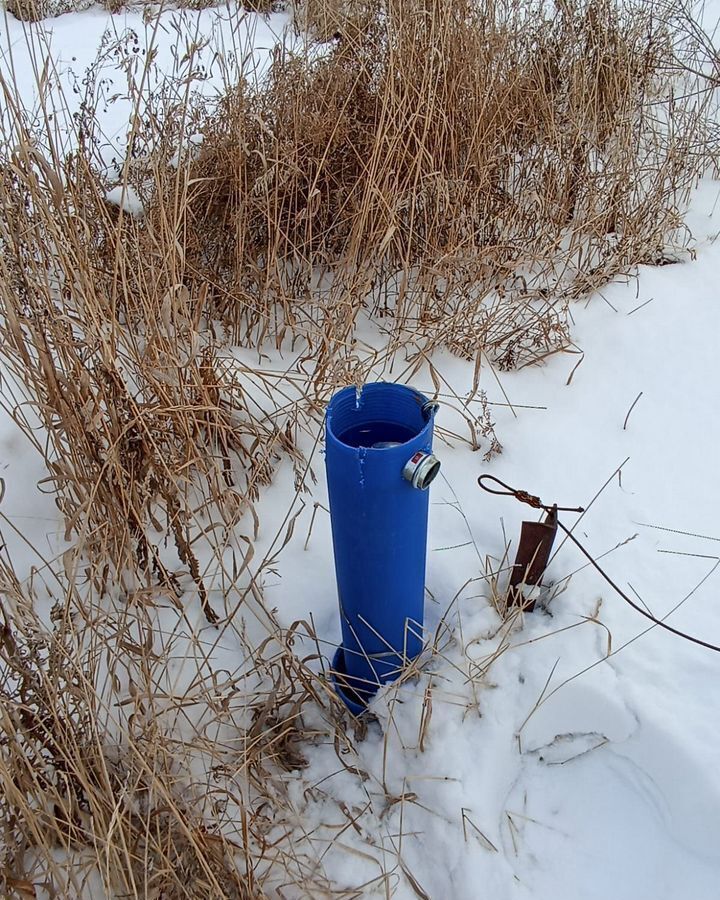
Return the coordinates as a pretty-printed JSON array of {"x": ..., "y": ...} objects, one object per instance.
[{"x": 377, "y": 440}]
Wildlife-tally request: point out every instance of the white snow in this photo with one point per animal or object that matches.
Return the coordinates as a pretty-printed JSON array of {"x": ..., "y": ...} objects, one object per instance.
[
  {"x": 584, "y": 763},
  {"x": 588, "y": 774},
  {"x": 126, "y": 198},
  {"x": 103, "y": 63}
]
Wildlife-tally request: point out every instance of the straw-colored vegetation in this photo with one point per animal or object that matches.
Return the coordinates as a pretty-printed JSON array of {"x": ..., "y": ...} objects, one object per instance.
[
  {"x": 487, "y": 161},
  {"x": 37, "y": 10},
  {"x": 451, "y": 174}
]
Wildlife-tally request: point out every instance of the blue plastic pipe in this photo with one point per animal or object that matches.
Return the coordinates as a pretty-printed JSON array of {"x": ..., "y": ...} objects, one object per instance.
[{"x": 375, "y": 440}]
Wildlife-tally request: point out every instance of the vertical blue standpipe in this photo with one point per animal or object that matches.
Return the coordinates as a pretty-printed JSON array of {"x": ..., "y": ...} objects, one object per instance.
[{"x": 379, "y": 463}]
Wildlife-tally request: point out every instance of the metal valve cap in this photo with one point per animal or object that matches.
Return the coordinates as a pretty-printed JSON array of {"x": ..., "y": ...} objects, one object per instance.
[{"x": 421, "y": 470}]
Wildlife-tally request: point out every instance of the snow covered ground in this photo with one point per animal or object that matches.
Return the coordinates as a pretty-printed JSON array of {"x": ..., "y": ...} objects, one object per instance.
[
  {"x": 97, "y": 59},
  {"x": 583, "y": 764},
  {"x": 587, "y": 757}
]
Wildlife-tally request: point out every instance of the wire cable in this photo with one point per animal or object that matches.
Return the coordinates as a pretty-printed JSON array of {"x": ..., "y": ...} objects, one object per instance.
[{"x": 536, "y": 503}]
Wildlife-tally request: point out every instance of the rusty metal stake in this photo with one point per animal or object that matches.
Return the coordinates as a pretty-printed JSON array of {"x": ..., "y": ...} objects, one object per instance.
[{"x": 533, "y": 555}]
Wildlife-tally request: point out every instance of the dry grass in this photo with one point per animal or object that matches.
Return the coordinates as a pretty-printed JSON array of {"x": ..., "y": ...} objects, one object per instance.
[
  {"x": 132, "y": 764},
  {"x": 37, "y": 10},
  {"x": 449, "y": 175},
  {"x": 478, "y": 163},
  {"x": 26, "y": 10}
]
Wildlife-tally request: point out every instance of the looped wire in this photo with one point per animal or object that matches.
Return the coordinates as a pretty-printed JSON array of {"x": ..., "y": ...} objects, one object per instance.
[
  {"x": 523, "y": 496},
  {"x": 535, "y": 502}
]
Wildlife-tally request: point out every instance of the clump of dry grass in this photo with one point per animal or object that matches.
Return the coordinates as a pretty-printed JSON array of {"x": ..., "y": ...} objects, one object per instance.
[
  {"x": 327, "y": 19},
  {"x": 131, "y": 764},
  {"x": 26, "y": 10},
  {"x": 117, "y": 364},
  {"x": 37, "y": 10},
  {"x": 135, "y": 761},
  {"x": 479, "y": 163}
]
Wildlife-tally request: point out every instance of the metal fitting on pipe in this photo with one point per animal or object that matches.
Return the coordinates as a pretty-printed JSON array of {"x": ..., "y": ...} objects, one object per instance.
[{"x": 421, "y": 470}]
